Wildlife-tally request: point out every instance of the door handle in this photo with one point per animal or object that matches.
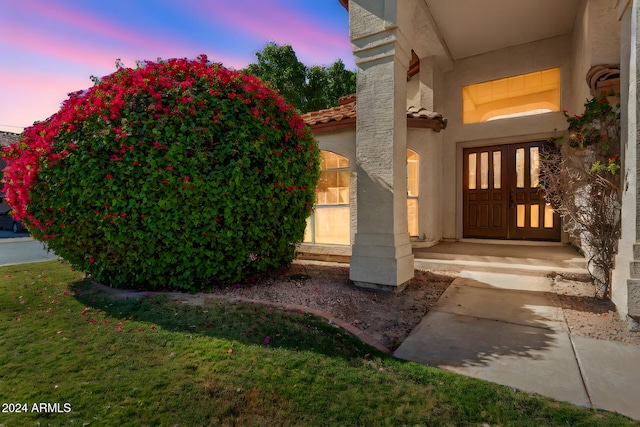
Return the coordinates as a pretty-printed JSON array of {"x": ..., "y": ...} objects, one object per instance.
[{"x": 511, "y": 199}]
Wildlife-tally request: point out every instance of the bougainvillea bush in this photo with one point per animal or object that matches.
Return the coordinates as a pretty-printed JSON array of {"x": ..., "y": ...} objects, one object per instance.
[{"x": 172, "y": 175}]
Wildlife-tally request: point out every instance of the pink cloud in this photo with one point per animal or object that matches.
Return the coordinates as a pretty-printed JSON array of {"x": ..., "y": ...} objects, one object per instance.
[
  {"x": 41, "y": 43},
  {"x": 27, "y": 96},
  {"x": 262, "y": 20},
  {"x": 50, "y": 49},
  {"x": 57, "y": 42}
]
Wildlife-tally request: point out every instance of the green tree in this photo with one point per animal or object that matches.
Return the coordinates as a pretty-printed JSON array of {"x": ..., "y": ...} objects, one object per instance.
[
  {"x": 341, "y": 81},
  {"x": 306, "y": 88},
  {"x": 279, "y": 67},
  {"x": 315, "y": 90}
]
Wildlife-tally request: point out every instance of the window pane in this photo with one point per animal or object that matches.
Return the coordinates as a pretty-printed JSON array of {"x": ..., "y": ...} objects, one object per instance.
[
  {"x": 497, "y": 169},
  {"x": 520, "y": 168},
  {"x": 534, "y": 158},
  {"x": 307, "y": 232},
  {"x": 520, "y": 216},
  {"x": 332, "y": 160},
  {"x": 332, "y": 225},
  {"x": 343, "y": 187},
  {"x": 412, "y": 214},
  {"x": 412, "y": 173},
  {"x": 484, "y": 170},
  {"x": 535, "y": 216},
  {"x": 333, "y": 188},
  {"x": 548, "y": 216},
  {"x": 472, "y": 171}
]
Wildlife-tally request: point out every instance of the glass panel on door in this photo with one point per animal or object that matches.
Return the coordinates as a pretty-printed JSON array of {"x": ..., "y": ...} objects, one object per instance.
[
  {"x": 472, "y": 171},
  {"x": 497, "y": 169},
  {"x": 520, "y": 168},
  {"x": 535, "y": 216},
  {"x": 484, "y": 170},
  {"x": 548, "y": 216},
  {"x": 534, "y": 167}
]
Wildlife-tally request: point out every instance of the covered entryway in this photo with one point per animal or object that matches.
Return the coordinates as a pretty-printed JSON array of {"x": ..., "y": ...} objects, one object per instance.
[{"x": 501, "y": 196}]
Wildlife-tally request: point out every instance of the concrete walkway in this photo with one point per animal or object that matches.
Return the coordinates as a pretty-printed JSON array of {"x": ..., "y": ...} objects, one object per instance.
[{"x": 496, "y": 323}]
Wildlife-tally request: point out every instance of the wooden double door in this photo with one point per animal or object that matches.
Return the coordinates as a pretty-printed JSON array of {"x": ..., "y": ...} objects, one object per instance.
[{"x": 501, "y": 194}]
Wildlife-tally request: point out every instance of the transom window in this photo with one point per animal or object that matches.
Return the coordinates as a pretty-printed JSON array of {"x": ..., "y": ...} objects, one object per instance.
[{"x": 521, "y": 95}]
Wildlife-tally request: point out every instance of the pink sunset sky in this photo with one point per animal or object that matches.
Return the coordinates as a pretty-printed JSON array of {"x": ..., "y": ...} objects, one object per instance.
[{"x": 52, "y": 47}]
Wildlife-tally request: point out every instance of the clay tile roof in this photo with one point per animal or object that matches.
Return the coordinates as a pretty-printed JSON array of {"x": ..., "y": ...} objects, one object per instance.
[
  {"x": 437, "y": 120},
  {"x": 344, "y": 116},
  {"x": 345, "y": 113},
  {"x": 8, "y": 138},
  {"x": 347, "y": 99}
]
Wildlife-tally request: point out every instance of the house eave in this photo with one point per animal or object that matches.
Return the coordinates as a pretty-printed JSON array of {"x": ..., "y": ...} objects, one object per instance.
[{"x": 333, "y": 126}]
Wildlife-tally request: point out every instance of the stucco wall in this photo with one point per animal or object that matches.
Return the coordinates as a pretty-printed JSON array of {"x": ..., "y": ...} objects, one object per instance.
[
  {"x": 605, "y": 32},
  {"x": 596, "y": 41},
  {"x": 413, "y": 92},
  {"x": 581, "y": 59},
  {"x": 545, "y": 54}
]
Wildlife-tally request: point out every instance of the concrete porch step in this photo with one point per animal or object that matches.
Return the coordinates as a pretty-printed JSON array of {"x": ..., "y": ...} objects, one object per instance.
[
  {"x": 505, "y": 257},
  {"x": 538, "y": 259}
]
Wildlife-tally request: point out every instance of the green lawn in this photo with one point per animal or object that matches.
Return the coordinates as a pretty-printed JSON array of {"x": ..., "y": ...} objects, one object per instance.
[{"x": 151, "y": 361}]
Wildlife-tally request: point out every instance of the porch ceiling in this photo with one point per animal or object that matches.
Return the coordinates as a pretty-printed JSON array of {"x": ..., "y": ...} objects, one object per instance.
[{"x": 472, "y": 27}]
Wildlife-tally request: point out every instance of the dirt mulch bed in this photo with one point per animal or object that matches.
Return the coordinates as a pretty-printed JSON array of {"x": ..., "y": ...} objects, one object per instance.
[
  {"x": 388, "y": 317},
  {"x": 589, "y": 316}
]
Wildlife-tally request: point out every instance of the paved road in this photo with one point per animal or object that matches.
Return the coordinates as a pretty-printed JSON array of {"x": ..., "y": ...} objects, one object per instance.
[{"x": 19, "y": 250}]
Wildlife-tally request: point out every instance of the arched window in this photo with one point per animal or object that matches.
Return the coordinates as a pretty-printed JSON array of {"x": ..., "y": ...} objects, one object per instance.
[
  {"x": 413, "y": 184},
  {"x": 331, "y": 221}
]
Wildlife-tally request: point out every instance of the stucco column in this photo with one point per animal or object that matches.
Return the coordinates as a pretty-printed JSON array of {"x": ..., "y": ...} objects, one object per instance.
[
  {"x": 625, "y": 287},
  {"x": 381, "y": 255},
  {"x": 431, "y": 194}
]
